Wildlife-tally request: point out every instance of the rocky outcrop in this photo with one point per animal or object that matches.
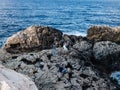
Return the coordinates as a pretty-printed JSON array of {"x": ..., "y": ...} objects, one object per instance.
[
  {"x": 43, "y": 68},
  {"x": 104, "y": 33},
  {"x": 87, "y": 64},
  {"x": 107, "y": 54},
  {"x": 11, "y": 80},
  {"x": 32, "y": 38}
]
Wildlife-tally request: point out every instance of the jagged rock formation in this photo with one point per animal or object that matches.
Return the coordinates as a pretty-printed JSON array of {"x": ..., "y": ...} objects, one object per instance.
[
  {"x": 43, "y": 68},
  {"x": 104, "y": 33},
  {"x": 11, "y": 80},
  {"x": 32, "y": 38},
  {"x": 107, "y": 54}
]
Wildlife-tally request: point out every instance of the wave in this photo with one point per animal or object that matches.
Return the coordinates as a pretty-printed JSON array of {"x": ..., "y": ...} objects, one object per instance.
[{"x": 77, "y": 33}]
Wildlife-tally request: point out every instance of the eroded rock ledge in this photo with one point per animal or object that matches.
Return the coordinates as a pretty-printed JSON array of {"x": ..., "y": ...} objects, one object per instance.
[
  {"x": 32, "y": 38},
  {"x": 90, "y": 60}
]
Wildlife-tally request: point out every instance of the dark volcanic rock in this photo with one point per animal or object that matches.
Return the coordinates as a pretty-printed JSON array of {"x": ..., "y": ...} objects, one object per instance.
[
  {"x": 104, "y": 33},
  {"x": 72, "y": 39},
  {"x": 43, "y": 68},
  {"x": 83, "y": 46},
  {"x": 107, "y": 54},
  {"x": 33, "y": 38}
]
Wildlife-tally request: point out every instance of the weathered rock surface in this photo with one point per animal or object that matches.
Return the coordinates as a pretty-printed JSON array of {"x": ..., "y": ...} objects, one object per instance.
[
  {"x": 4, "y": 55},
  {"x": 32, "y": 38},
  {"x": 107, "y": 53},
  {"x": 43, "y": 68},
  {"x": 83, "y": 46},
  {"x": 72, "y": 39},
  {"x": 11, "y": 80},
  {"x": 105, "y": 48},
  {"x": 104, "y": 33}
]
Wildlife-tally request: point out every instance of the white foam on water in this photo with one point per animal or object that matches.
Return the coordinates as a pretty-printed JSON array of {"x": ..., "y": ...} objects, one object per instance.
[
  {"x": 77, "y": 33},
  {"x": 116, "y": 76}
]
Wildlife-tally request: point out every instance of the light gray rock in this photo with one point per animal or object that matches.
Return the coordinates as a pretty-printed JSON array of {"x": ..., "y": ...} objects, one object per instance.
[
  {"x": 105, "y": 48},
  {"x": 11, "y": 80},
  {"x": 82, "y": 46}
]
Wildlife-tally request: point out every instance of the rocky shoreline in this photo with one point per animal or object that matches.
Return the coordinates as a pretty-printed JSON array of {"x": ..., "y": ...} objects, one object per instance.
[{"x": 89, "y": 61}]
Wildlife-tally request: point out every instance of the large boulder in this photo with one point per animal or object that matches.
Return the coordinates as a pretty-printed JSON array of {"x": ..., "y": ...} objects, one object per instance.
[
  {"x": 104, "y": 33},
  {"x": 11, "y": 80},
  {"x": 107, "y": 54},
  {"x": 32, "y": 38}
]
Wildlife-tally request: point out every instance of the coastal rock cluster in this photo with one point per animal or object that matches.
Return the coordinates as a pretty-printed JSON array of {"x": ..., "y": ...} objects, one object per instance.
[
  {"x": 88, "y": 63},
  {"x": 43, "y": 68}
]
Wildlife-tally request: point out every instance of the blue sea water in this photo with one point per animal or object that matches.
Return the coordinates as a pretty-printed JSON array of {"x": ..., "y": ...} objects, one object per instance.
[{"x": 69, "y": 16}]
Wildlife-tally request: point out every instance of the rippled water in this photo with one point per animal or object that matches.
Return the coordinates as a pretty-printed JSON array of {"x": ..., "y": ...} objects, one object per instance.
[
  {"x": 116, "y": 76},
  {"x": 70, "y": 16}
]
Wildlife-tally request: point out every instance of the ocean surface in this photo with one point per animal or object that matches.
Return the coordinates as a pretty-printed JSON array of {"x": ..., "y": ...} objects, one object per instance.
[{"x": 69, "y": 16}]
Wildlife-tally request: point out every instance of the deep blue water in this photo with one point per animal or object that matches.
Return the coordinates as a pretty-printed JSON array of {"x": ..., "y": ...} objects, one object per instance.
[{"x": 69, "y": 16}]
